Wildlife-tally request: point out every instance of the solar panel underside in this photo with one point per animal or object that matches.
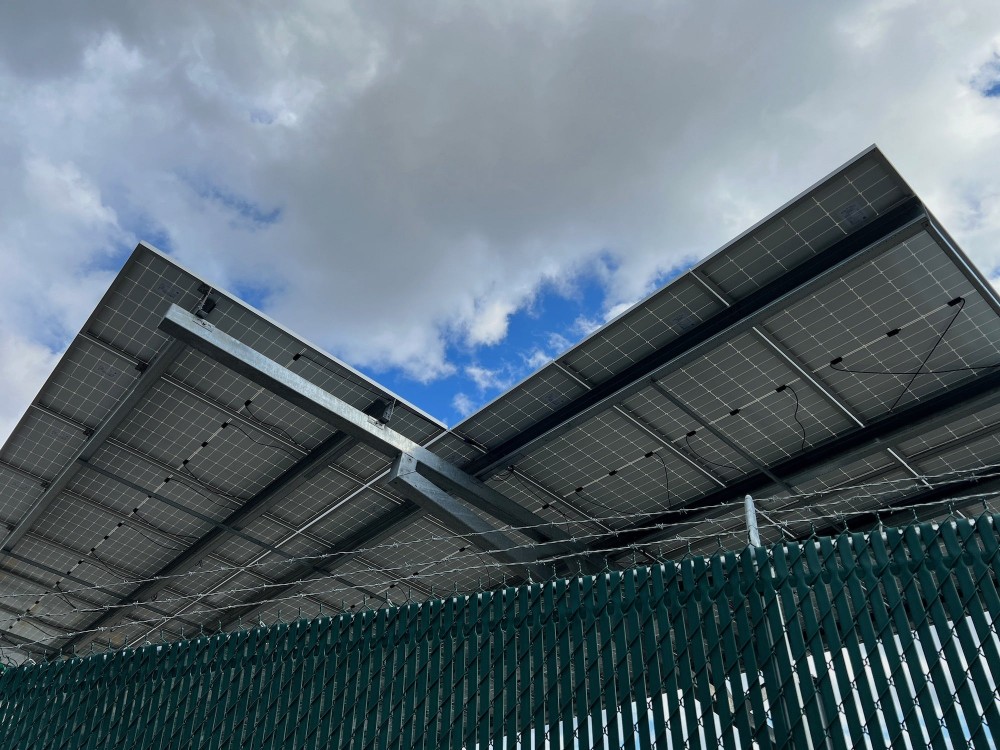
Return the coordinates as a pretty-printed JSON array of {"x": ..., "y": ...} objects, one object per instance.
[{"x": 895, "y": 326}]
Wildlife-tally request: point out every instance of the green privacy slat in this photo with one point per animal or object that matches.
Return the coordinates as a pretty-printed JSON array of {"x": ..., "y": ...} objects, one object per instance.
[
  {"x": 564, "y": 647},
  {"x": 805, "y": 582},
  {"x": 338, "y": 726},
  {"x": 662, "y": 582},
  {"x": 890, "y": 635},
  {"x": 646, "y": 622},
  {"x": 638, "y": 692},
  {"x": 738, "y": 589},
  {"x": 687, "y": 715},
  {"x": 902, "y": 547},
  {"x": 507, "y": 707},
  {"x": 290, "y": 664},
  {"x": 608, "y": 666},
  {"x": 619, "y": 643},
  {"x": 592, "y": 662},
  {"x": 970, "y": 630},
  {"x": 979, "y": 598},
  {"x": 390, "y": 672},
  {"x": 383, "y": 684},
  {"x": 822, "y": 558},
  {"x": 416, "y": 670},
  {"x": 102, "y": 709},
  {"x": 223, "y": 676},
  {"x": 861, "y": 685},
  {"x": 442, "y": 719},
  {"x": 549, "y": 668},
  {"x": 809, "y": 718},
  {"x": 309, "y": 681},
  {"x": 422, "y": 709},
  {"x": 500, "y": 635},
  {"x": 536, "y": 656},
  {"x": 577, "y": 658},
  {"x": 861, "y": 589},
  {"x": 333, "y": 675},
  {"x": 700, "y": 694},
  {"x": 755, "y": 575},
  {"x": 265, "y": 724},
  {"x": 895, "y": 672},
  {"x": 783, "y": 634},
  {"x": 460, "y": 667},
  {"x": 485, "y": 630},
  {"x": 902, "y": 630},
  {"x": 471, "y": 681},
  {"x": 440, "y": 641},
  {"x": 920, "y": 540},
  {"x": 725, "y": 656},
  {"x": 714, "y": 614}
]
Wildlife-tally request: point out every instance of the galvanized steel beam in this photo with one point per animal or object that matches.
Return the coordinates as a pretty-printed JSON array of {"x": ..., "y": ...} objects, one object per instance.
[
  {"x": 206, "y": 338},
  {"x": 460, "y": 520}
]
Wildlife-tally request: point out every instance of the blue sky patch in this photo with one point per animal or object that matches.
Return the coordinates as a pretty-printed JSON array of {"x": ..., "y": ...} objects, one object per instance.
[
  {"x": 535, "y": 335},
  {"x": 987, "y": 80},
  {"x": 253, "y": 215},
  {"x": 251, "y": 293},
  {"x": 261, "y": 117}
]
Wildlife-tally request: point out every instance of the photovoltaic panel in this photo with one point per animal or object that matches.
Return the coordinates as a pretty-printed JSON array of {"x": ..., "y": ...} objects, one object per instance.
[{"x": 797, "y": 363}]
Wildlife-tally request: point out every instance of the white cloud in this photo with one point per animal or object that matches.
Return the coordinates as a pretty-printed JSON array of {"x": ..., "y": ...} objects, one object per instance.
[
  {"x": 433, "y": 167},
  {"x": 23, "y": 368},
  {"x": 463, "y": 404},
  {"x": 487, "y": 379}
]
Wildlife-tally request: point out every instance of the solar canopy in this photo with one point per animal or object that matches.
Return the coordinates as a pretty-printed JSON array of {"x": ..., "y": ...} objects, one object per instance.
[{"x": 838, "y": 361}]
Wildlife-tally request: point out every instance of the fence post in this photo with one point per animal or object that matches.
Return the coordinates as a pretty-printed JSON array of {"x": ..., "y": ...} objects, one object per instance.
[{"x": 753, "y": 533}]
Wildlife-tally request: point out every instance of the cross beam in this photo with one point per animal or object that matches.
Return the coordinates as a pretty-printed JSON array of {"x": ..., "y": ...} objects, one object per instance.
[
  {"x": 201, "y": 335},
  {"x": 461, "y": 520}
]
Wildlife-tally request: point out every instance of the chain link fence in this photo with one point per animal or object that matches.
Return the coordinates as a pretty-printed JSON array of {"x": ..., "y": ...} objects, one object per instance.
[{"x": 879, "y": 640}]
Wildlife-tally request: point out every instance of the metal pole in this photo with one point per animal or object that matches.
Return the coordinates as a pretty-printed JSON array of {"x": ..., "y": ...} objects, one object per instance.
[{"x": 753, "y": 533}]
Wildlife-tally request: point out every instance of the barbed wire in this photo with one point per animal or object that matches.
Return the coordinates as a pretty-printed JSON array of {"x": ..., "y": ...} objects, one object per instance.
[
  {"x": 384, "y": 585},
  {"x": 394, "y": 546},
  {"x": 808, "y": 513}
]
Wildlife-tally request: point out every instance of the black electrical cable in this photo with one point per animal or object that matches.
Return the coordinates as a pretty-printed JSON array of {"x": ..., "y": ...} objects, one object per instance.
[
  {"x": 906, "y": 389},
  {"x": 191, "y": 537},
  {"x": 108, "y": 568},
  {"x": 531, "y": 491},
  {"x": 594, "y": 501},
  {"x": 902, "y": 373},
  {"x": 687, "y": 440},
  {"x": 62, "y": 596},
  {"x": 795, "y": 416},
  {"x": 164, "y": 545},
  {"x": 666, "y": 474},
  {"x": 835, "y": 364},
  {"x": 250, "y": 437},
  {"x": 258, "y": 420},
  {"x": 222, "y": 499}
]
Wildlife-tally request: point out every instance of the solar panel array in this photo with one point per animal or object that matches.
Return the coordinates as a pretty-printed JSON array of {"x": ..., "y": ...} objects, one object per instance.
[{"x": 828, "y": 390}]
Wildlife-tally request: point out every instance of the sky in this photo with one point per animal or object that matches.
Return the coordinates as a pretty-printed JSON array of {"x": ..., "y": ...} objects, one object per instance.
[{"x": 447, "y": 195}]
